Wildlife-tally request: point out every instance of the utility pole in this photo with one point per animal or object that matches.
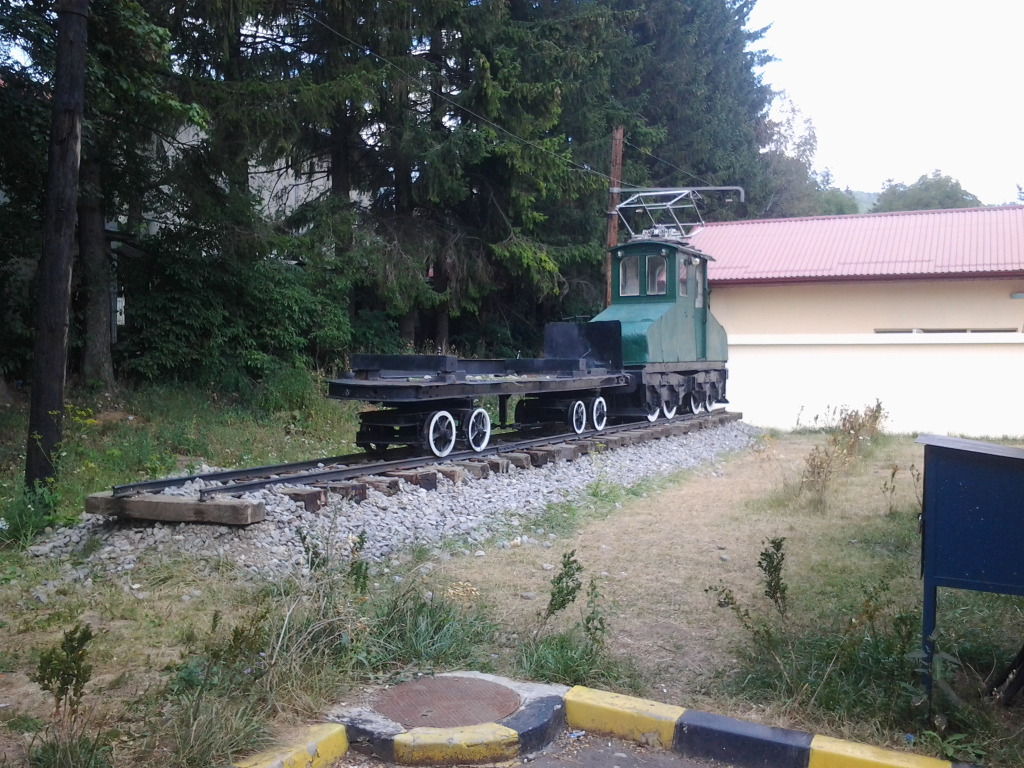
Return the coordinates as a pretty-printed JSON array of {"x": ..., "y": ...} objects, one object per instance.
[
  {"x": 612, "y": 233},
  {"x": 53, "y": 275}
]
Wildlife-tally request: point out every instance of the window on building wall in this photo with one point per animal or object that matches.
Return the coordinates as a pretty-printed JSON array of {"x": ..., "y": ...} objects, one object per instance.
[
  {"x": 657, "y": 276},
  {"x": 947, "y": 330},
  {"x": 629, "y": 276}
]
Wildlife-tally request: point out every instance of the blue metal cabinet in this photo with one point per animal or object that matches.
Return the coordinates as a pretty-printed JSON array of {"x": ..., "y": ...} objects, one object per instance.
[{"x": 972, "y": 523}]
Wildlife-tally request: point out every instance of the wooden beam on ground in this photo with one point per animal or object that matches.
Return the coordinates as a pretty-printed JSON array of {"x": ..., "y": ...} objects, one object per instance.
[{"x": 177, "y": 509}]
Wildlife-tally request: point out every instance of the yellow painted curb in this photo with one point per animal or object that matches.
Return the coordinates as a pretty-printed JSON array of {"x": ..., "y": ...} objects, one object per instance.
[
  {"x": 827, "y": 752},
  {"x": 324, "y": 745},
  {"x": 627, "y": 717},
  {"x": 487, "y": 742}
]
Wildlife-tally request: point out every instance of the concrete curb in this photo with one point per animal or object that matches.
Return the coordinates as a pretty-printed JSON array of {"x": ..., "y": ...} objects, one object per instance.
[{"x": 547, "y": 709}]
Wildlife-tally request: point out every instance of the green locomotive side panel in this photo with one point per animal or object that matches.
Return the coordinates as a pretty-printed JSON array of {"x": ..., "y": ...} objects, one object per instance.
[{"x": 660, "y": 298}]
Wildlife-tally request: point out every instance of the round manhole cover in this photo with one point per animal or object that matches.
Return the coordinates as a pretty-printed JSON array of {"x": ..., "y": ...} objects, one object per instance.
[{"x": 447, "y": 702}]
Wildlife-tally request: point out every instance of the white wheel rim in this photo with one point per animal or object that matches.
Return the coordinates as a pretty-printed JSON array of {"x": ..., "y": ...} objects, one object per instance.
[
  {"x": 599, "y": 413},
  {"x": 478, "y": 429},
  {"x": 696, "y": 402},
  {"x": 652, "y": 416},
  {"x": 578, "y": 416},
  {"x": 712, "y": 398},
  {"x": 441, "y": 433},
  {"x": 668, "y": 413}
]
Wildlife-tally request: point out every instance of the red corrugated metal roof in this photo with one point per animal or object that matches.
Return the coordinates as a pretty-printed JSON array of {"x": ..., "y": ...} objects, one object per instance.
[{"x": 948, "y": 243}]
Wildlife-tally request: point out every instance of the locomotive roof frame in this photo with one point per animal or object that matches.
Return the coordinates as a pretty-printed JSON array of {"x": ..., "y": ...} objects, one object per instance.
[{"x": 670, "y": 211}]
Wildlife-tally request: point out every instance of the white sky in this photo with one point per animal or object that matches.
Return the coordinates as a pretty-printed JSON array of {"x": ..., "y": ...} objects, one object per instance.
[{"x": 899, "y": 88}]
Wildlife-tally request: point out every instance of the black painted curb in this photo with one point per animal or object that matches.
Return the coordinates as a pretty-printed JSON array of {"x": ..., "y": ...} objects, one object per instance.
[{"x": 714, "y": 737}]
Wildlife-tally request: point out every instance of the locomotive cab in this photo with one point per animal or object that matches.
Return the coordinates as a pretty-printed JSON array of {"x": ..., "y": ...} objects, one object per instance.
[{"x": 660, "y": 298}]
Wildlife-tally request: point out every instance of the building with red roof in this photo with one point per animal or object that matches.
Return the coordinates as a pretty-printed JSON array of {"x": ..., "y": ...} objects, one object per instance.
[{"x": 923, "y": 310}]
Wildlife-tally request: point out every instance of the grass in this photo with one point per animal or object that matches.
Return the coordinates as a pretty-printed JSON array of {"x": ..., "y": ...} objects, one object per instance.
[
  {"x": 157, "y": 430},
  {"x": 845, "y": 652},
  {"x": 214, "y": 660},
  {"x": 571, "y": 658}
]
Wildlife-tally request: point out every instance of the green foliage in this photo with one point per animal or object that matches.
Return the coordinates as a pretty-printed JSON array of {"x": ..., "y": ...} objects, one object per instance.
[
  {"x": 63, "y": 671},
  {"x": 411, "y": 627},
  {"x": 858, "y": 664},
  {"x": 770, "y": 563},
  {"x": 153, "y": 430},
  {"x": 232, "y": 664},
  {"x": 25, "y": 515},
  {"x": 934, "y": 192},
  {"x": 565, "y": 585},
  {"x": 578, "y": 655},
  {"x": 71, "y": 747},
  {"x": 358, "y": 568},
  {"x": 954, "y": 746},
  {"x": 572, "y": 658},
  {"x": 70, "y": 741},
  {"x": 255, "y": 318}
]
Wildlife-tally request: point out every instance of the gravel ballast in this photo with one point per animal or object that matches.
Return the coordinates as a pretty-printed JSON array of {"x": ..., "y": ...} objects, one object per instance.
[{"x": 498, "y": 508}]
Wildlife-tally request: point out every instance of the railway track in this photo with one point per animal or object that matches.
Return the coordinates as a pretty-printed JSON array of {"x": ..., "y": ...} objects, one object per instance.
[{"x": 312, "y": 472}]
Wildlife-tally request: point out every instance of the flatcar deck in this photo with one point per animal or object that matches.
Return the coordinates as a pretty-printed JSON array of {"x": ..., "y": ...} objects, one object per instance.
[{"x": 416, "y": 378}]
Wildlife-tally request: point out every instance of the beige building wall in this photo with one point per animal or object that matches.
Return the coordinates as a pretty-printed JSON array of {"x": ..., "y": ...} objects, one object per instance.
[
  {"x": 960, "y": 384},
  {"x": 869, "y": 306}
]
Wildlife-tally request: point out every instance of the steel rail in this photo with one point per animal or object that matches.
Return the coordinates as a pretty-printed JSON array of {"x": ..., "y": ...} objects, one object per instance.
[
  {"x": 380, "y": 467},
  {"x": 146, "y": 486}
]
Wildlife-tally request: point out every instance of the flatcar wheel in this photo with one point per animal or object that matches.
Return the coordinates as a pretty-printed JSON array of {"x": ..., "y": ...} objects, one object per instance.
[
  {"x": 439, "y": 433},
  {"x": 598, "y": 413},
  {"x": 667, "y": 412},
  {"x": 577, "y": 416},
  {"x": 476, "y": 429}
]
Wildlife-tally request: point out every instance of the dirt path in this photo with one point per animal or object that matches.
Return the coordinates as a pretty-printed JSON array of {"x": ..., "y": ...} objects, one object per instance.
[{"x": 653, "y": 558}]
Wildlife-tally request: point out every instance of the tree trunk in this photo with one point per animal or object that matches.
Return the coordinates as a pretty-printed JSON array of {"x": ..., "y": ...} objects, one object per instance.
[
  {"x": 49, "y": 365},
  {"x": 98, "y": 365}
]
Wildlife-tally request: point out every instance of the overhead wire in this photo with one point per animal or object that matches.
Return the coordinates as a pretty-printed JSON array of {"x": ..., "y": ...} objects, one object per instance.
[{"x": 703, "y": 181}]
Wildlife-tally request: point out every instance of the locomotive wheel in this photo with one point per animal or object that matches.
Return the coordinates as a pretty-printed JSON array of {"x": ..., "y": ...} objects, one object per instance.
[
  {"x": 476, "y": 429},
  {"x": 598, "y": 413},
  {"x": 577, "y": 415},
  {"x": 667, "y": 412},
  {"x": 696, "y": 401},
  {"x": 653, "y": 413},
  {"x": 439, "y": 433},
  {"x": 711, "y": 398}
]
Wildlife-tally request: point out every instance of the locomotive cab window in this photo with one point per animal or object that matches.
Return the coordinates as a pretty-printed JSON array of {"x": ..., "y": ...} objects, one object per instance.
[
  {"x": 629, "y": 276},
  {"x": 683, "y": 275},
  {"x": 657, "y": 276}
]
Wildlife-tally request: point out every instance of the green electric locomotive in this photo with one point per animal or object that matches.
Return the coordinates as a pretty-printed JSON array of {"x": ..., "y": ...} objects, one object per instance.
[{"x": 654, "y": 352}]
